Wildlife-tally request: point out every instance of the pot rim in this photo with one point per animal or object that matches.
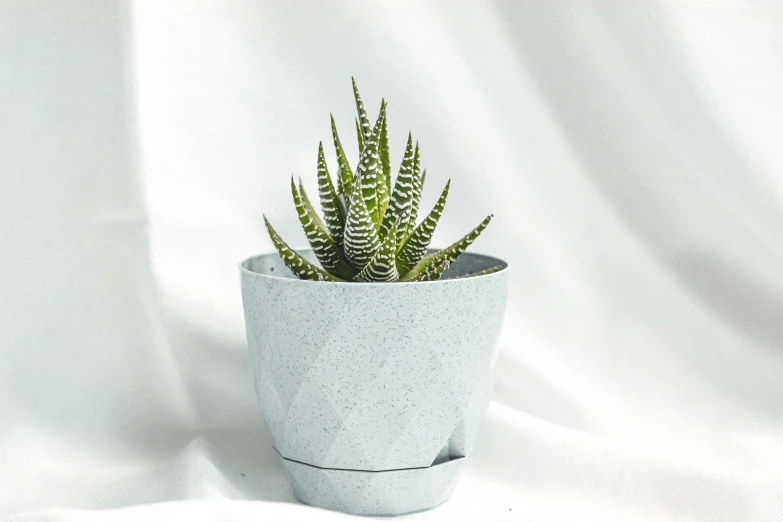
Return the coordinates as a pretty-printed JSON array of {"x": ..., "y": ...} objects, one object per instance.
[{"x": 294, "y": 280}]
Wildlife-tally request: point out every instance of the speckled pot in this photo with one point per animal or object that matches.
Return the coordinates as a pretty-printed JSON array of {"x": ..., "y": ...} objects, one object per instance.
[{"x": 373, "y": 392}]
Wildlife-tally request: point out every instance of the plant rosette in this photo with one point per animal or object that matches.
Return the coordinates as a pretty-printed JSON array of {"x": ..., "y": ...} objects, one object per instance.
[{"x": 372, "y": 354}]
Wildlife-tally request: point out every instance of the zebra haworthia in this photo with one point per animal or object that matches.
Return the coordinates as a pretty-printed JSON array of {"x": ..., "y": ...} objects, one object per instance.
[
  {"x": 416, "y": 245},
  {"x": 345, "y": 181},
  {"x": 369, "y": 169},
  {"x": 401, "y": 197},
  {"x": 296, "y": 263},
  {"x": 369, "y": 231},
  {"x": 364, "y": 122},
  {"x": 322, "y": 244},
  {"x": 361, "y": 238},
  {"x": 333, "y": 209},
  {"x": 383, "y": 266},
  {"x": 383, "y": 150},
  {"x": 425, "y": 267},
  {"x": 433, "y": 272},
  {"x": 418, "y": 187}
]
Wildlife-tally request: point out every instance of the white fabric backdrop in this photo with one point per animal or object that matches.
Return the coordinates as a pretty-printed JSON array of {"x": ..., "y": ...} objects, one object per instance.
[{"x": 630, "y": 152}]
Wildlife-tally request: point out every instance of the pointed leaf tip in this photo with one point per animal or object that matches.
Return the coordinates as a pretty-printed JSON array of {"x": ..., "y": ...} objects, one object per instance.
[
  {"x": 415, "y": 245},
  {"x": 384, "y": 171},
  {"x": 345, "y": 175},
  {"x": 370, "y": 169},
  {"x": 334, "y": 211},
  {"x": 362, "y": 113},
  {"x": 428, "y": 266},
  {"x": 401, "y": 195},
  {"x": 296, "y": 263},
  {"x": 322, "y": 243}
]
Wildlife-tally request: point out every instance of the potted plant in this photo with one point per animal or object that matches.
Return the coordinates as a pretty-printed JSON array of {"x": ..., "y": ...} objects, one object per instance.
[{"x": 372, "y": 355}]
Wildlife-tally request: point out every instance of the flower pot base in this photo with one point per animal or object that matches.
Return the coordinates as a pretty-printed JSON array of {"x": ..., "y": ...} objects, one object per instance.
[{"x": 373, "y": 493}]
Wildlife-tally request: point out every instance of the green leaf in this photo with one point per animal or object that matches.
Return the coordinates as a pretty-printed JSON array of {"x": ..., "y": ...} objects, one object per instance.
[
  {"x": 418, "y": 188},
  {"x": 384, "y": 151},
  {"x": 369, "y": 169},
  {"x": 416, "y": 245},
  {"x": 361, "y": 237},
  {"x": 323, "y": 245},
  {"x": 401, "y": 197},
  {"x": 364, "y": 121},
  {"x": 333, "y": 209},
  {"x": 296, "y": 263},
  {"x": 434, "y": 272},
  {"x": 382, "y": 267},
  {"x": 359, "y": 136},
  {"x": 415, "y": 203},
  {"x": 430, "y": 264},
  {"x": 417, "y": 161},
  {"x": 345, "y": 183},
  {"x": 384, "y": 175}
]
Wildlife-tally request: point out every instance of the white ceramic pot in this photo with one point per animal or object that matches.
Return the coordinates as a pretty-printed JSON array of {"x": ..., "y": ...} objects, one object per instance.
[{"x": 373, "y": 392}]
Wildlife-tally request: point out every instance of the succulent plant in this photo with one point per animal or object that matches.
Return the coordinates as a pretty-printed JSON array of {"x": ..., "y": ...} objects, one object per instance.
[{"x": 369, "y": 231}]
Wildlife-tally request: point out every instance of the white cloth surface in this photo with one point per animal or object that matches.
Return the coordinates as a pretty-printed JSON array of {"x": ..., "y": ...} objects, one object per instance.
[{"x": 630, "y": 152}]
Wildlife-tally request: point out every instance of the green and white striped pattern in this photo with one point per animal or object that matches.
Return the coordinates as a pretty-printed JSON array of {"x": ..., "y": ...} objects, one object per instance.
[
  {"x": 383, "y": 149},
  {"x": 434, "y": 272},
  {"x": 416, "y": 245},
  {"x": 333, "y": 211},
  {"x": 364, "y": 121},
  {"x": 345, "y": 181},
  {"x": 369, "y": 231},
  {"x": 417, "y": 160},
  {"x": 383, "y": 267},
  {"x": 361, "y": 238},
  {"x": 429, "y": 265},
  {"x": 401, "y": 197},
  {"x": 322, "y": 244},
  {"x": 418, "y": 188},
  {"x": 369, "y": 168},
  {"x": 384, "y": 172},
  {"x": 296, "y": 263}
]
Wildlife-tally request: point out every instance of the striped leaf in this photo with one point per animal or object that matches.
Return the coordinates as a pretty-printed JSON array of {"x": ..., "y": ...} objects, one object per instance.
[
  {"x": 415, "y": 202},
  {"x": 384, "y": 151},
  {"x": 434, "y": 272},
  {"x": 333, "y": 210},
  {"x": 345, "y": 182},
  {"x": 384, "y": 172},
  {"x": 416, "y": 245},
  {"x": 428, "y": 266},
  {"x": 296, "y": 263},
  {"x": 417, "y": 160},
  {"x": 368, "y": 170},
  {"x": 364, "y": 121},
  {"x": 418, "y": 188},
  {"x": 401, "y": 197},
  {"x": 359, "y": 136},
  {"x": 382, "y": 267},
  {"x": 322, "y": 244},
  {"x": 361, "y": 237}
]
